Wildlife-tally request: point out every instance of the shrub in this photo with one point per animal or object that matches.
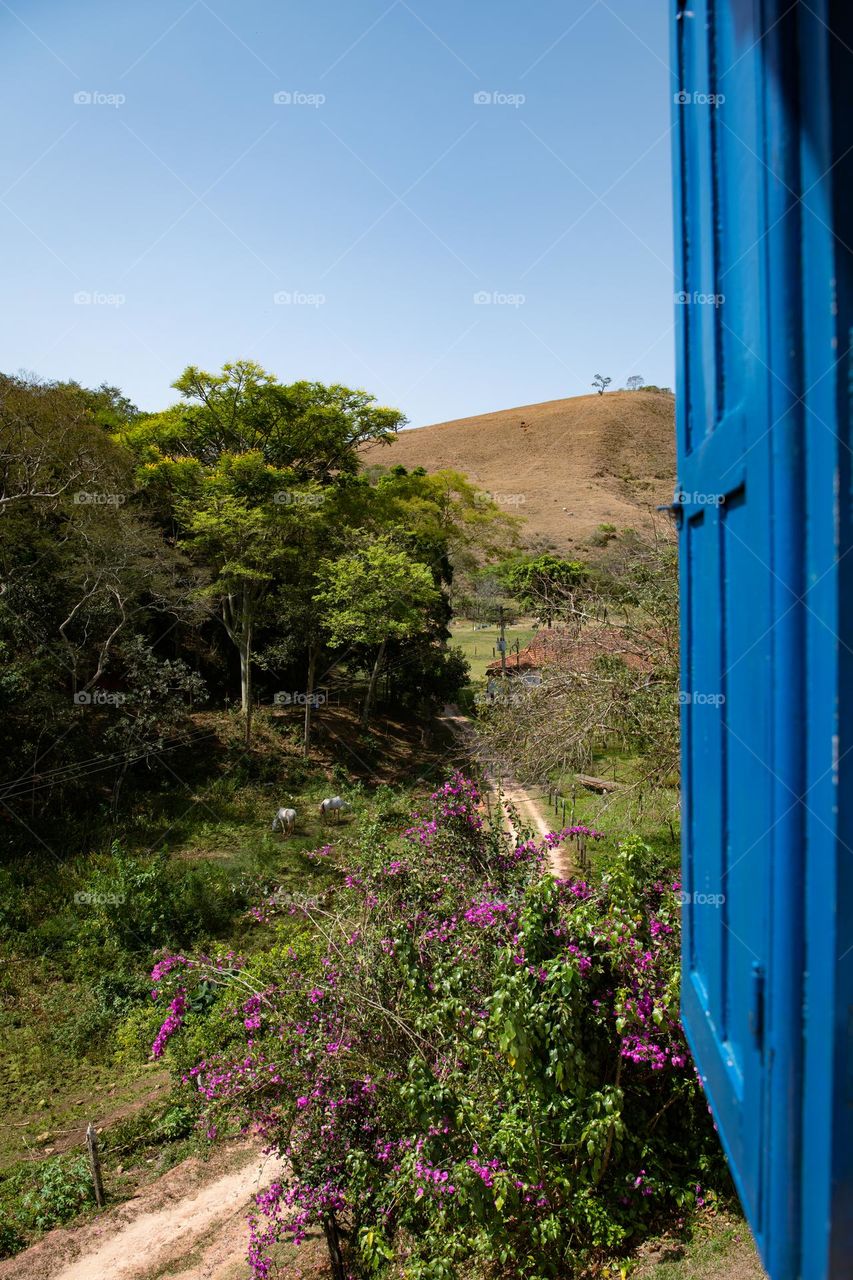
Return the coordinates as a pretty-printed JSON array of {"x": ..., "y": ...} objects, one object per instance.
[
  {"x": 134, "y": 901},
  {"x": 63, "y": 1187},
  {"x": 11, "y": 1240},
  {"x": 467, "y": 1063},
  {"x": 604, "y": 534},
  {"x": 134, "y": 1034},
  {"x": 153, "y": 1126}
]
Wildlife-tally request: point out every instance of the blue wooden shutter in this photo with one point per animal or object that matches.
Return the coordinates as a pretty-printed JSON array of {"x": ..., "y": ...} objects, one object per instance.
[
  {"x": 725, "y": 509},
  {"x": 763, "y": 144},
  {"x": 740, "y": 629}
]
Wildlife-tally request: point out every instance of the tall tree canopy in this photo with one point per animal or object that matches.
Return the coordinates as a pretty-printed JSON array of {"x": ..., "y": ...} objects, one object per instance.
[
  {"x": 314, "y": 430},
  {"x": 85, "y": 578},
  {"x": 242, "y": 467},
  {"x": 145, "y": 558}
]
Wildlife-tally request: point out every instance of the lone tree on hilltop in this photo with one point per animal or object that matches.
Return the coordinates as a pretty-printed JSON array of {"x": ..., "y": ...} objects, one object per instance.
[
  {"x": 636, "y": 381},
  {"x": 601, "y": 383}
]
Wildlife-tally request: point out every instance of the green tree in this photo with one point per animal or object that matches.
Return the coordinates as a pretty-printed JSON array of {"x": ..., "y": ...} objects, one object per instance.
[
  {"x": 542, "y": 583},
  {"x": 84, "y": 573},
  {"x": 445, "y": 513},
  {"x": 241, "y": 519},
  {"x": 371, "y": 595},
  {"x": 52, "y": 440},
  {"x": 241, "y": 469},
  {"x": 299, "y": 618},
  {"x": 156, "y": 694},
  {"x": 312, "y": 429}
]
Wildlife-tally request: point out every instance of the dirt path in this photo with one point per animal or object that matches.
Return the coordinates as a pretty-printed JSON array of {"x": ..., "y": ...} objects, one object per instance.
[
  {"x": 188, "y": 1225},
  {"x": 506, "y": 789}
]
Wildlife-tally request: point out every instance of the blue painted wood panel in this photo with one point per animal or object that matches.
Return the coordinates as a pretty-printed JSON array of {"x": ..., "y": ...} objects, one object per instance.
[{"x": 763, "y": 122}]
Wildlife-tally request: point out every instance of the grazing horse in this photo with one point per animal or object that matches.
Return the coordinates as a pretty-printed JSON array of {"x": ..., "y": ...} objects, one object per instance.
[
  {"x": 333, "y": 804},
  {"x": 284, "y": 821}
]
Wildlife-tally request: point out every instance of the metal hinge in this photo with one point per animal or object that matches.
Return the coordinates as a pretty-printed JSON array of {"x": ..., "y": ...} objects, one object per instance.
[{"x": 675, "y": 510}]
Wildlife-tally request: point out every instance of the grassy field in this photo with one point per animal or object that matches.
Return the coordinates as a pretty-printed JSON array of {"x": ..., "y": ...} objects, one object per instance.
[
  {"x": 480, "y": 646},
  {"x": 60, "y": 1008},
  {"x": 634, "y": 809}
]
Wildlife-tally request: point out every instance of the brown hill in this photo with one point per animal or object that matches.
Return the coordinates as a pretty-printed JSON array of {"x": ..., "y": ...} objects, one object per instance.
[{"x": 566, "y": 466}]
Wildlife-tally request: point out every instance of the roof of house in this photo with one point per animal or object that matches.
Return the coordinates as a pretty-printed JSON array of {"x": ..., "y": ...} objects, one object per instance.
[{"x": 553, "y": 646}]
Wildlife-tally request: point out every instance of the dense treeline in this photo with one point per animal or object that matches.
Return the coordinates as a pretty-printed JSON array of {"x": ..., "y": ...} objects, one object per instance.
[{"x": 216, "y": 553}]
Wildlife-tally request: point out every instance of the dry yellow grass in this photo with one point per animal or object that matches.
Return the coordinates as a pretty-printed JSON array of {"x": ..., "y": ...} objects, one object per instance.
[{"x": 566, "y": 466}]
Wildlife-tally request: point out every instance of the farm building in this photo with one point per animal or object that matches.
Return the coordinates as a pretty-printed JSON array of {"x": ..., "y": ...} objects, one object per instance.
[{"x": 572, "y": 651}]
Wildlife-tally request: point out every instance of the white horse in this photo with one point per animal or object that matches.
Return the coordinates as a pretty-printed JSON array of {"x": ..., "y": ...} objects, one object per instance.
[
  {"x": 284, "y": 821},
  {"x": 333, "y": 804}
]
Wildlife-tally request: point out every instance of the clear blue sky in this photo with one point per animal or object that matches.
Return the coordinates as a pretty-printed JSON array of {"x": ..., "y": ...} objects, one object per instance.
[{"x": 186, "y": 207}]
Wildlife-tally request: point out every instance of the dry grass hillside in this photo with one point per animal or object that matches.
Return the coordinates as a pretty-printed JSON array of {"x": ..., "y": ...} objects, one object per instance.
[{"x": 567, "y": 466}]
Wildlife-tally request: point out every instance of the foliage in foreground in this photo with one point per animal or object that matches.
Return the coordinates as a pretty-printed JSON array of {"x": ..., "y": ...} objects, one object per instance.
[{"x": 466, "y": 1063}]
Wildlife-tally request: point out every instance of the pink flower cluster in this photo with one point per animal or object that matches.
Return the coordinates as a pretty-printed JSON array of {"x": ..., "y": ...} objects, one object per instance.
[
  {"x": 485, "y": 1170},
  {"x": 483, "y": 915},
  {"x": 252, "y": 1013},
  {"x": 174, "y": 1021},
  {"x": 437, "y": 1179},
  {"x": 289, "y": 1211}
]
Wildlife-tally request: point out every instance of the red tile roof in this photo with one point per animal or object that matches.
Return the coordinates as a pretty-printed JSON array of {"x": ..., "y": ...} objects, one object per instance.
[{"x": 555, "y": 647}]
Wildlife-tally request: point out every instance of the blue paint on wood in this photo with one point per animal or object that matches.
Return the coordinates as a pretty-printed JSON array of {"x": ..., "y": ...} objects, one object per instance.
[{"x": 763, "y": 119}]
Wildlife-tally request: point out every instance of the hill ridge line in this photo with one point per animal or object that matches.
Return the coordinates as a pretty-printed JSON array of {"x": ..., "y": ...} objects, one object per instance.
[{"x": 566, "y": 466}]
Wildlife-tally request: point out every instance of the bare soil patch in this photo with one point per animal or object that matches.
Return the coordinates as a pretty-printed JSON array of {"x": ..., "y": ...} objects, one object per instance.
[{"x": 189, "y": 1224}]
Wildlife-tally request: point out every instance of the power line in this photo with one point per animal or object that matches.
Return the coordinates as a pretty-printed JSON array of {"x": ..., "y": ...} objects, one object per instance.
[{"x": 85, "y": 768}]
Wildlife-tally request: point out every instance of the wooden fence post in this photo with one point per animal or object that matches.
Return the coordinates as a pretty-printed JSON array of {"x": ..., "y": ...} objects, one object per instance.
[{"x": 95, "y": 1164}]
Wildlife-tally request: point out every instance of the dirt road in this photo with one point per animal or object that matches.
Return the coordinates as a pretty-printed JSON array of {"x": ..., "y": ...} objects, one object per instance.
[
  {"x": 507, "y": 791},
  {"x": 188, "y": 1225}
]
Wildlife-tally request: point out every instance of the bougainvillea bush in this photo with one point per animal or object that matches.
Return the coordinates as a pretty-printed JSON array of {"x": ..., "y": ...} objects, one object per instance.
[{"x": 470, "y": 1067}]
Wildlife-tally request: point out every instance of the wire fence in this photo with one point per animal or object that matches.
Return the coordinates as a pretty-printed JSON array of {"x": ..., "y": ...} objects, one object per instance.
[{"x": 564, "y": 808}]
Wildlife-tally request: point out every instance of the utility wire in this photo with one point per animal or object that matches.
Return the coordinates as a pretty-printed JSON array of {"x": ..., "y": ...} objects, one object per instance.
[{"x": 84, "y": 768}]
